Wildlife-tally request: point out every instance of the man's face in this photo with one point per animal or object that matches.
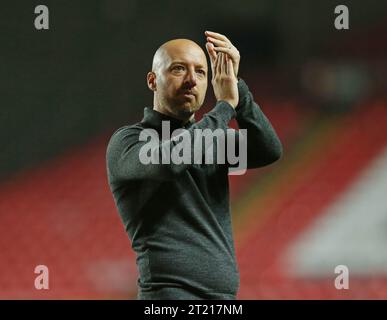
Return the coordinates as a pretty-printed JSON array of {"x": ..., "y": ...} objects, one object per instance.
[{"x": 182, "y": 80}]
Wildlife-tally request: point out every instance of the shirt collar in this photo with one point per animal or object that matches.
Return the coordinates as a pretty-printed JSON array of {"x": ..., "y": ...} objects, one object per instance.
[{"x": 154, "y": 118}]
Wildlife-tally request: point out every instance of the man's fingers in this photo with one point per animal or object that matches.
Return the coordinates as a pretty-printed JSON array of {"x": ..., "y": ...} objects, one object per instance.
[
  {"x": 230, "y": 67},
  {"x": 227, "y": 58},
  {"x": 221, "y": 63},
  {"x": 233, "y": 54},
  {"x": 217, "y": 42},
  {"x": 218, "y": 63},
  {"x": 225, "y": 63},
  {"x": 213, "y": 56},
  {"x": 217, "y": 36},
  {"x": 230, "y": 52},
  {"x": 213, "y": 67},
  {"x": 211, "y": 51}
]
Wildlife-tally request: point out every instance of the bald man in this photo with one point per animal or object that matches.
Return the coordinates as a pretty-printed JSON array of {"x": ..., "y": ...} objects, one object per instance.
[{"x": 177, "y": 215}]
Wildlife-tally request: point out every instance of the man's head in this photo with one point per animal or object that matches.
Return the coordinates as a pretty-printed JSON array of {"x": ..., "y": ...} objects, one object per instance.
[{"x": 178, "y": 78}]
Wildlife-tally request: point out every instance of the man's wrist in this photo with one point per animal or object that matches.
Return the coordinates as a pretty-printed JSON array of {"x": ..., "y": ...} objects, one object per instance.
[
  {"x": 233, "y": 104},
  {"x": 225, "y": 108}
]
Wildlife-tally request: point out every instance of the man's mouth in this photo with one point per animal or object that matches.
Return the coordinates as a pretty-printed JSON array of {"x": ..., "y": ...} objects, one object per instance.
[{"x": 189, "y": 94}]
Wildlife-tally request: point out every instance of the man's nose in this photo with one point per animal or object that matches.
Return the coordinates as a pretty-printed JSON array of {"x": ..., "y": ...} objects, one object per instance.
[{"x": 191, "y": 78}]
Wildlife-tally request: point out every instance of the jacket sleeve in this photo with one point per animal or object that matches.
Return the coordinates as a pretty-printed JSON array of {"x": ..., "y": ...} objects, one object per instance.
[
  {"x": 263, "y": 144},
  {"x": 124, "y": 148}
]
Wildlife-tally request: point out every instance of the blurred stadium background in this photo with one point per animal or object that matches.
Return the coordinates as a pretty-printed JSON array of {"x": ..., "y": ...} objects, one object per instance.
[{"x": 64, "y": 91}]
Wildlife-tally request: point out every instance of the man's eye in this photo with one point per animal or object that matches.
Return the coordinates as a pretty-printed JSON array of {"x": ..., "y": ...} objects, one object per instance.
[
  {"x": 201, "y": 72},
  {"x": 179, "y": 68}
]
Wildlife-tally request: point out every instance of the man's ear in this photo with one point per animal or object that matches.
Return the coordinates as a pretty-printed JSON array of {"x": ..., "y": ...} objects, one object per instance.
[{"x": 151, "y": 81}]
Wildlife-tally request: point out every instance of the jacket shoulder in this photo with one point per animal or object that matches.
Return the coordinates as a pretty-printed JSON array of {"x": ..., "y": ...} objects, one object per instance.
[{"x": 127, "y": 130}]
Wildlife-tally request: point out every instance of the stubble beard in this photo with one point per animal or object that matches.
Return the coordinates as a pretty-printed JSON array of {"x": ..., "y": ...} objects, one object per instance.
[{"x": 183, "y": 109}]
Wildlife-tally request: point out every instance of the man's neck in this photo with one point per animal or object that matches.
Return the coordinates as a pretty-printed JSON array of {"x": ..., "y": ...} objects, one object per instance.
[{"x": 169, "y": 114}]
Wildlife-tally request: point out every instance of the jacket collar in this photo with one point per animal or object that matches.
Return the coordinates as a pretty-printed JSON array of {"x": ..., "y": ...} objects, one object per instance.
[{"x": 153, "y": 118}]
